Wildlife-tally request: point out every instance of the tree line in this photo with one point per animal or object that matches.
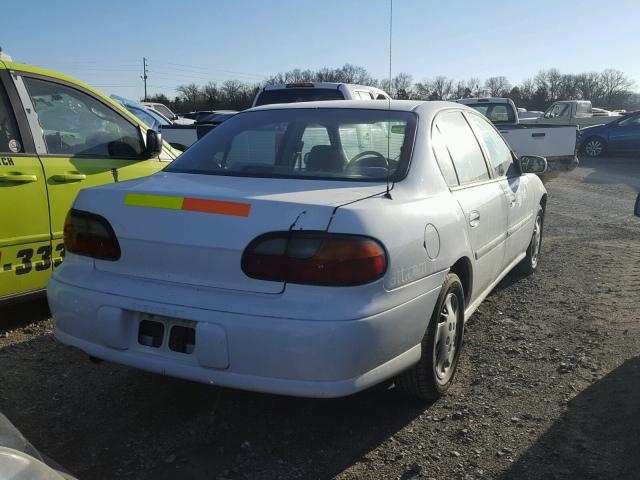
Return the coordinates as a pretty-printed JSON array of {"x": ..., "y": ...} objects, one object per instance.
[{"x": 610, "y": 88}]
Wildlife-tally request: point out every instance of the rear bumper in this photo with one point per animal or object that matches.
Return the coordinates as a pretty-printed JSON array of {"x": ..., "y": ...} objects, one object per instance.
[{"x": 308, "y": 358}]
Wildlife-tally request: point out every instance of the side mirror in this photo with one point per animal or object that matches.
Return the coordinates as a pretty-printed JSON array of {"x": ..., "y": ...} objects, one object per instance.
[
  {"x": 533, "y": 164},
  {"x": 154, "y": 143},
  {"x": 636, "y": 210}
]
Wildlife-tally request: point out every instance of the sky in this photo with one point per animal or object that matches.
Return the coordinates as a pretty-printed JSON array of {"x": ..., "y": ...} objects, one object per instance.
[{"x": 197, "y": 41}]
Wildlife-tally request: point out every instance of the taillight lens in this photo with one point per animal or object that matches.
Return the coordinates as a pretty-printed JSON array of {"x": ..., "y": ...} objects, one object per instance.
[
  {"x": 90, "y": 235},
  {"x": 315, "y": 258}
]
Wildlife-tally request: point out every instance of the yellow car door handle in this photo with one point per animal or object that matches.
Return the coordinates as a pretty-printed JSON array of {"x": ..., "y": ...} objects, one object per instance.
[
  {"x": 17, "y": 177},
  {"x": 69, "y": 177}
]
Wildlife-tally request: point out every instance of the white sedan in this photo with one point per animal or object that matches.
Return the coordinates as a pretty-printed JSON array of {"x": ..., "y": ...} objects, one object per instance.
[{"x": 311, "y": 249}]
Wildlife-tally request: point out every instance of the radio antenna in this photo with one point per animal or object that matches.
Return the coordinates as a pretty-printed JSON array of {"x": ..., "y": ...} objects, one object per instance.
[{"x": 388, "y": 193}]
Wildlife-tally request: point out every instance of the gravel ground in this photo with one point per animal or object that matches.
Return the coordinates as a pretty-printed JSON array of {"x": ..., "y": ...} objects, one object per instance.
[{"x": 548, "y": 386}]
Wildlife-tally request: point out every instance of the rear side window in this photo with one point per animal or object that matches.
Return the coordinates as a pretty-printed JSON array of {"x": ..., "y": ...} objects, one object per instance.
[
  {"x": 295, "y": 95},
  {"x": 9, "y": 135},
  {"x": 463, "y": 147},
  {"x": 75, "y": 123},
  {"x": 443, "y": 158},
  {"x": 499, "y": 152}
]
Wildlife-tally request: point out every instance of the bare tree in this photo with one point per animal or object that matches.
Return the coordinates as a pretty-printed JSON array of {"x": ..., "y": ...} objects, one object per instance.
[
  {"x": 401, "y": 86},
  {"x": 441, "y": 88},
  {"x": 191, "y": 94},
  {"x": 497, "y": 86},
  {"x": 211, "y": 94},
  {"x": 616, "y": 86}
]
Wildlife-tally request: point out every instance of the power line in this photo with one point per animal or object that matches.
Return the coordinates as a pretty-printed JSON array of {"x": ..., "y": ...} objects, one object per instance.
[{"x": 208, "y": 69}]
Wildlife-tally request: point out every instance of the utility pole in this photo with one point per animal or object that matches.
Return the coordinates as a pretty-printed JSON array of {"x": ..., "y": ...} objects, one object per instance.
[{"x": 144, "y": 76}]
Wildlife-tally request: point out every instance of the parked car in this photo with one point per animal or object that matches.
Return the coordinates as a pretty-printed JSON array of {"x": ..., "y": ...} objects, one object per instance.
[
  {"x": 57, "y": 136},
  {"x": 571, "y": 112},
  {"x": 557, "y": 143},
  {"x": 316, "y": 91},
  {"x": 151, "y": 119},
  {"x": 619, "y": 136},
  {"x": 195, "y": 116},
  {"x": 216, "y": 117},
  {"x": 183, "y": 136},
  {"x": 312, "y": 249},
  {"x": 166, "y": 112}
]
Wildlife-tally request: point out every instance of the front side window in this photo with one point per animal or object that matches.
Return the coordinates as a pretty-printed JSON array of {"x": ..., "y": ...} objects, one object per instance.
[
  {"x": 326, "y": 143},
  {"x": 630, "y": 122},
  {"x": 499, "y": 152},
  {"x": 557, "y": 110},
  {"x": 463, "y": 146},
  {"x": 9, "y": 136},
  {"x": 75, "y": 123}
]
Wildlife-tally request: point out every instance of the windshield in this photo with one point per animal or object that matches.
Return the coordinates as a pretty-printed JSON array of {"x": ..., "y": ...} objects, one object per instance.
[
  {"x": 332, "y": 144},
  {"x": 496, "y": 112},
  {"x": 164, "y": 110},
  {"x": 294, "y": 95}
]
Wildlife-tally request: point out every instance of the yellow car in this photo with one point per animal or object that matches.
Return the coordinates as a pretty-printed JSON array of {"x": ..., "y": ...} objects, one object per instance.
[{"x": 57, "y": 136}]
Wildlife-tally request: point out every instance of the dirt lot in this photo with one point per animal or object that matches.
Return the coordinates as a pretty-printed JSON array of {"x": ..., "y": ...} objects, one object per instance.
[{"x": 549, "y": 384}]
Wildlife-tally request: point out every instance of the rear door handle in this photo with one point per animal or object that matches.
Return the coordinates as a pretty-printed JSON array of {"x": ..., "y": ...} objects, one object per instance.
[
  {"x": 17, "y": 177},
  {"x": 69, "y": 177},
  {"x": 540, "y": 134},
  {"x": 474, "y": 218}
]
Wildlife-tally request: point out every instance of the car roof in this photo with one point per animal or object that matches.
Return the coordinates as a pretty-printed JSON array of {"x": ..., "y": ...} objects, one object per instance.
[
  {"x": 483, "y": 100},
  {"x": 305, "y": 85},
  {"x": 425, "y": 107}
]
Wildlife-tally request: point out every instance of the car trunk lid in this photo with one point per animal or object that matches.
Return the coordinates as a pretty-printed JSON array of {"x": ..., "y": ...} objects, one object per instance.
[{"x": 193, "y": 229}]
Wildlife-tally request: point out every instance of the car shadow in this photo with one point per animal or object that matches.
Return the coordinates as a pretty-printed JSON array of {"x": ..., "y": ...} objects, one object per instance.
[
  {"x": 598, "y": 437},
  {"x": 105, "y": 420},
  {"x": 613, "y": 170},
  {"x": 21, "y": 313}
]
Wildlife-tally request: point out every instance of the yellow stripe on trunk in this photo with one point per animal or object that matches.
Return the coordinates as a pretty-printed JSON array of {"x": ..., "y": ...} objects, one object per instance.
[{"x": 154, "y": 201}]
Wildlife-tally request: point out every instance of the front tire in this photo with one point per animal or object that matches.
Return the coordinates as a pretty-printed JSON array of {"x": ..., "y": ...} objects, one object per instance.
[
  {"x": 594, "y": 147},
  {"x": 529, "y": 263},
  {"x": 432, "y": 376}
]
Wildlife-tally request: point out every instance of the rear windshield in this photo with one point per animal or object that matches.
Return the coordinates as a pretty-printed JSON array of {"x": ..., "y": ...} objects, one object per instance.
[
  {"x": 324, "y": 143},
  {"x": 294, "y": 95},
  {"x": 496, "y": 112}
]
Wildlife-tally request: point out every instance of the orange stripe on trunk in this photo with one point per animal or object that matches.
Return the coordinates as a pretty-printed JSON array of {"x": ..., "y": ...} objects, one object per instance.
[{"x": 216, "y": 206}]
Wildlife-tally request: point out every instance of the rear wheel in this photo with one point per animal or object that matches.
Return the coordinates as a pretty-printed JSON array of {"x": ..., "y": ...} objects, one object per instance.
[
  {"x": 432, "y": 376},
  {"x": 594, "y": 147},
  {"x": 529, "y": 263}
]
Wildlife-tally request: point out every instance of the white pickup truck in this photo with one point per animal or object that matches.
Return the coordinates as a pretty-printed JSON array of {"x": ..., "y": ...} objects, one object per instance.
[
  {"x": 557, "y": 143},
  {"x": 572, "y": 112}
]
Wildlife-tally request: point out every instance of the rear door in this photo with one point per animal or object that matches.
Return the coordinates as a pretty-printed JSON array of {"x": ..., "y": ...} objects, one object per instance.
[
  {"x": 515, "y": 187},
  {"x": 25, "y": 239},
  {"x": 82, "y": 142},
  {"x": 480, "y": 197}
]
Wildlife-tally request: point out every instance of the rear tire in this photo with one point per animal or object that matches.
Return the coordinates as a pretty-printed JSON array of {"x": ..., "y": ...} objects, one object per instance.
[
  {"x": 432, "y": 376},
  {"x": 594, "y": 147},
  {"x": 529, "y": 264}
]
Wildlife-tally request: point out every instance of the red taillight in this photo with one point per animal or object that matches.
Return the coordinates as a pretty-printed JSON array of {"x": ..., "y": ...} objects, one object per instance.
[
  {"x": 315, "y": 258},
  {"x": 90, "y": 235}
]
